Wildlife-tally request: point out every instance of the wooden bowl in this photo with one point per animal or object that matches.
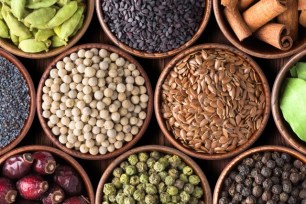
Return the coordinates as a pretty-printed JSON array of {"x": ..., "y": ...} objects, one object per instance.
[
  {"x": 281, "y": 124},
  {"x": 10, "y": 47},
  {"x": 157, "y": 102},
  {"x": 32, "y": 107},
  {"x": 127, "y": 145},
  {"x": 226, "y": 171},
  {"x": 207, "y": 12},
  {"x": 149, "y": 148},
  {"x": 253, "y": 46},
  {"x": 66, "y": 159}
]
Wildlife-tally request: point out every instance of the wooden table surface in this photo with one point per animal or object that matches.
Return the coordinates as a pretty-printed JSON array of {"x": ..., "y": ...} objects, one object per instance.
[{"x": 153, "y": 135}]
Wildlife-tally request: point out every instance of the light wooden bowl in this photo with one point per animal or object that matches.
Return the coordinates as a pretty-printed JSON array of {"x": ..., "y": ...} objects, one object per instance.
[
  {"x": 127, "y": 145},
  {"x": 10, "y": 47},
  {"x": 232, "y": 165},
  {"x": 32, "y": 107},
  {"x": 65, "y": 159},
  {"x": 149, "y": 148},
  {"x": 253, "y": 46},
  {"x": 202, "y": 26},
  {"x": 281, "y": 124},
  {"x": 158, "y": 101}
]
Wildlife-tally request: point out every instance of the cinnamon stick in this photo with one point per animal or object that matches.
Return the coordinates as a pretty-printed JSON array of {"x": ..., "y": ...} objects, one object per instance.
[
  {"x": 276, "y": 35},
  {"x": 303, "y": 18},
  {"x": 244, "y": 4},
  {"x": 262, "y": 12},
  {"x": 301, "y": 5},
  {"x": 290, "y": 18},
  {"x": 230, "y": 4},
  {"x": 237, "y": 23}
]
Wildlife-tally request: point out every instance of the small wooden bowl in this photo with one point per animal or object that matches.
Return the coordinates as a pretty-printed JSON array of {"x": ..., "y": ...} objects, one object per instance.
[
  {"x": 207, "y": 13},
  {"x": 281, "y": 124},
  {"x": 32, "y": 107},
  {"x": 127, "y": 145},
  {"x": 232, "y": 165},
  {"x": 157, "y": 102},
  {"x": 149, "y": 148},
  {"x": 253, "y": 46},
  {"x": 66, "y": 159},
  {"x": 10, "y": 47}
]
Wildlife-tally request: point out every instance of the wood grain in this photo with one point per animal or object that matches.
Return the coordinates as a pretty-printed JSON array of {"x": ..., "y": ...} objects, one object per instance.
[{"x": 153, "y": 135}]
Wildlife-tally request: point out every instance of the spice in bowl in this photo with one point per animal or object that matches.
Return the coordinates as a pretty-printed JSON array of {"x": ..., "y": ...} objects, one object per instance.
[
  {"x": 213, "y": 101},
  {"x": 94, "y": 101},
  {"x": 14, "y": 102},
  {"x": 153, "y": 177},
  {"x": 292, "y": 100},
  {"x": 266, "y": 177},
  {"x": 153, "y": 26}
]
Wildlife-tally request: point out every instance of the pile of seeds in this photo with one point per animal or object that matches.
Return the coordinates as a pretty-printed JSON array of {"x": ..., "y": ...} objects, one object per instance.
[
  {"x": 153, "y": 25},
  {"x": 153, "y": 178},
  {"x": 269, "y": 177},
  {"x": 213, "y": 101},
  {"x": 14, "y": 102},
  {"x": 94, "y": 101}
]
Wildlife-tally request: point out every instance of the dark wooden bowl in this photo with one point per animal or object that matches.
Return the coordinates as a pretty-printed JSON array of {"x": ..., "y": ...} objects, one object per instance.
[
  {"x": 127, "y": 145},
  {"x": 207, "y": 13},
  {"x": 226, "y": 171},
  {"x": 9, "y": 46},
  {"x": 149, "y": 148},
  {"x": 281, "y": 124},
  {"x": 253, "y": 46},
  {"x": 32, "y": 107},
  {"x": 157, "y": 102},
  {"x": 63, "y": 156}
]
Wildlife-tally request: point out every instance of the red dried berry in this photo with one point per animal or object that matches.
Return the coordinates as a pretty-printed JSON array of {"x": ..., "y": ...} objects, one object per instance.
[
  {"x": 54, "y": 195},
  {"x": 7, "y": 191},
  {"x": 44, "y": 163},
  {"x": 67, "y": 178},
  {"x": 17, "y": 166},
  {"x": 32, "y": 187},
  {"x": 76, "y": 200}
]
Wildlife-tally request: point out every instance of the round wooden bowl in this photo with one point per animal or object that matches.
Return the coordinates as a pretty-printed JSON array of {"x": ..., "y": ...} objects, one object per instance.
[
  {"x": 66, "y": 159},
  {"x": 253, "y": 46},
  {"x": 149, "y": 148},
  {"x": 32, "y": 107},
  {"x": 281, "y": 124},
  {"x": 202, "y": 26},
  {"x": 9, "y": 46},
  {"x": 158, "y": 101},
  {"x": 127, "y": 145},
  {"x": 232, "y": 165}
]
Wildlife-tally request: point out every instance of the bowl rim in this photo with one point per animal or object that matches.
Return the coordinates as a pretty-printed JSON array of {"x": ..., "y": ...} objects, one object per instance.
[
  {"x": 232, "y": 164},
  {"x": 10, "y": 47},
  {"x": 159, "y": 148},
  {"x": 127, "y": 145},
  {"x": 234, "y": 40},
  {"x": 157, "y": 102},
  {"x": 296, "y": 143},
  {"x": 143, "y": 54},
  {"x": 32, "y": 93},
  {"x": 58, "y": 153}
]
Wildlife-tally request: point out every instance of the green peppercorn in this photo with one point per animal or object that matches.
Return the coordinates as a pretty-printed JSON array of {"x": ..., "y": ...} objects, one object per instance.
[
  {"x": 154, "y": 178},
  {"x": 124, "y": 164},
  {"x": 173, "y": 173},
  {"x": 155, "y": 155},
  {"x": 144, "y": 178},
  {"x": 129, "y": 200},
  {"x": 172, "y": 190},
  {"x": 116, "y": 182},
  {"x": 141, "y": 186},
  {"x": 193, "y": 200},
  {"x": 151, "y": 171},
  {"x": 185, "y": 197},
  {"x": 175, "y": 199},
  {"x": 169, "y": 180},
  {"x": 151, "y": 199},
  {"x": 141, "y": 167},
  {"x": 179, "y": 184},
  {"x": 128, "y": 190},
  {"x": 112, "y": 198},
  {"x": 117, "y": 172},
  {"x": 164, "y": 198},
  {"x": 134, "y": 180},
  {"x": 139, "y": 195},
  {"x": 109, "y": 189},
  {"x": 162, "y": 187},
  {"x": 130, "y": 170},
  {"x": 181, "y": 166},
  {"x": 194, "y": 180},
  {"x": 187, "y": 170},
  {"x": 158, "y": 166},
  {"x": 175, "y": 161},
  {"x": 198, "y": 192},
  {"x": 151, "y": 189},
  {"x": 164, "y": 161},
  {"x": 163, "y": 175},
  {"x": 184, "y": 178},
  {"x": 120, "y": 198},
  {"x": 143, "y": 156},
  {"x": 189, "y": 188},
  {"x": 105, "y": 202},
  {"x": 133, "y": 159},
  {"x": 150, "y": 162},
  {"x": 124, "y": 179}
]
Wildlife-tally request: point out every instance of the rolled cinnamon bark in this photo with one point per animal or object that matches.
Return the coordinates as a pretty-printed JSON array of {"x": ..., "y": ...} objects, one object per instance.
[
  {"x": 237, "y": 23},
  {"x": 303, "y": 18},
  {"x": 262, "y": 12},
  {"x": 301, "y": 5},
  {"x": 290, "y": 18},
  {"x": 276, "y": 35},
  {"x": 230, "y": 4},
  {"x": 244, "y": 4}
]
